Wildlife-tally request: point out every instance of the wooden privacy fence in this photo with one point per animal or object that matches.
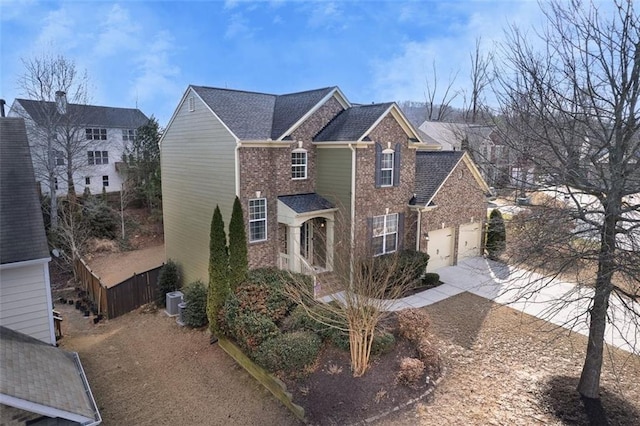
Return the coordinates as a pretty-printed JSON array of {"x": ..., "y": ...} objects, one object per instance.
[{"x": 121, "y": 298}]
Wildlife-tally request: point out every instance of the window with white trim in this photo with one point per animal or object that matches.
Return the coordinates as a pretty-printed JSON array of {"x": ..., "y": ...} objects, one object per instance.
[
  {"x": 96, "y": 134},
  {"x": 257, "y": 219},
  {"x": 128, "y": 135},
  {"x": 385, "y": 234},
  {"x": 97, "y": 157},
  {"x": 105, "y": 181},
  {"x": 59, "y": 158},
  {"x": 386, "y": 168},
  {"x": 299, "y": 164}
]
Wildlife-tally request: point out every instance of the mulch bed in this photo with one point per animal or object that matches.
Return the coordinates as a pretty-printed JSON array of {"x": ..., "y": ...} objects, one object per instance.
[{"x": 330, "y": 394}]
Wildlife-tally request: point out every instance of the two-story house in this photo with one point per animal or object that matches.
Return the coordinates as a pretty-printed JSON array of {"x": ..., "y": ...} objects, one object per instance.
[
  {"x": 315, "y": 174},
  {"x": 39, "y": 383},
  {"x": 84, "y": 141}
]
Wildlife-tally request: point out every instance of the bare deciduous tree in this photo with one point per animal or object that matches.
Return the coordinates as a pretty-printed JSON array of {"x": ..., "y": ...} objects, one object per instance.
[
  {"x": 575, "y": 97},
  {"x": 481, "y": 77},
  {"x": 439, "y": 112},
  {"x": 56, "y": 128}
]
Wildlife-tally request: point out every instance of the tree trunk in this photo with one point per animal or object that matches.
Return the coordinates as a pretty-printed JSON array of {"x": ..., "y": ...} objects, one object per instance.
[
  {"x": 589, "y": 385},
  {"x": 360, "y": 339}
]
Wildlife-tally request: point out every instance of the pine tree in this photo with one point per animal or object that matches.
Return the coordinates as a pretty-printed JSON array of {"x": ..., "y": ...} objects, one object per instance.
[
  {"x": 238, "y": 262},
  {"x": 218, "y": 270},
  {"x": 496, "y": 234}
]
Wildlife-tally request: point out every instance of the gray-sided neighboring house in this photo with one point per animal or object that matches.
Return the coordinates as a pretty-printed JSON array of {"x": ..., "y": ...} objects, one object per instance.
[
  {"x": 39, "y": 383},
  {"x": 87, "y": 140},
  {"x": 482, "y": 142},
  {"x": 313, "y": 171}
]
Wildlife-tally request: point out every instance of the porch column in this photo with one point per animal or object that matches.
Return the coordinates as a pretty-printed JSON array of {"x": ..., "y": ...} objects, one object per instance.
[
  {"x": 329, "y": 248},
  {"x": 294, "y": 248}
]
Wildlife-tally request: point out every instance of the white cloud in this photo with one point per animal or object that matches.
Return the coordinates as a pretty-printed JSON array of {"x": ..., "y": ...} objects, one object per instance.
[
  {"x": 118, "y": 32},
  {"x": 60, "y": 29},
  {"x": 156, "y": 72},
  {"x": 324, "y": 14},
  {"x": 238, "y": 27}
]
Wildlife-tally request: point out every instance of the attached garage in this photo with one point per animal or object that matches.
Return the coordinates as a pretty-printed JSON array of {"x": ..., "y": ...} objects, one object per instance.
[
  {"x": 440, "y": 248},
  {"x": 469, "y": 241}
]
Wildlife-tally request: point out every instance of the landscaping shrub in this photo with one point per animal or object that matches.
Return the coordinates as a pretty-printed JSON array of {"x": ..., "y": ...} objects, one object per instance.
[
  {"x": 252, "y": 329},
  {"x": 102, "y": 220},
  {"x": 383, "y": 343},
  {"x": 410, "y": 267},
  {"x": 218, "y": 289},
  {"x": 289, "y": 352},
  {"x": 429, "y": 355},
  {"x": 269, "y": 301},
  {"x": 496, "y": 234},
  {"x": 411, "y": 370},
  {"x": 168, "y": 281},
  {"x": 238, "y": 261},
  {"x": 195, "y": 313},
  {"x": 413, "y": 324},
  {"x": 430, "y": 279}
]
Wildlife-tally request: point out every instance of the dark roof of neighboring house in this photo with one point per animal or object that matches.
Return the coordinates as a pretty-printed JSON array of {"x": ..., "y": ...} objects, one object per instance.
[
  {"x": 45, "y": 378},
  {"x": 22, "y": 235},
  {"x": 352, "y": 123},
  {"x": 432, "y": 168},
  {"x": 43, "y": 112},
  {"x": 303, "y": 203},
  {"x": 251, "y": 115}
]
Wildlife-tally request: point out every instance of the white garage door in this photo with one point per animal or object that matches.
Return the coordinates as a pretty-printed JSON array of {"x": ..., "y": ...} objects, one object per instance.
[
  {"x": 440, "y": 248},
  {"x": 469, "y": 241}
]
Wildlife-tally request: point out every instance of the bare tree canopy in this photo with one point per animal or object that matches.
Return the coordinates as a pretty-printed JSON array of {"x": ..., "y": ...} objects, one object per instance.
[
  {"x": 480, "y": 76},
  {"x": 570, "y": 110},
  {"x": 439, "y": 111}
]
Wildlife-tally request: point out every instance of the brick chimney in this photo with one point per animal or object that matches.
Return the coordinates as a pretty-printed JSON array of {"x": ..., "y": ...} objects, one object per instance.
[{"x": 61, "y": 102}]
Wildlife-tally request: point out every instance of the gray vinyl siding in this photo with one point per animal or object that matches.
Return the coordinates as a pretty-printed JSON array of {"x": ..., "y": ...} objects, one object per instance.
[
  {"x": 333, "y": 177},
  {"x": 198, "y": 172},
  {"x": 24, "y": 306}
]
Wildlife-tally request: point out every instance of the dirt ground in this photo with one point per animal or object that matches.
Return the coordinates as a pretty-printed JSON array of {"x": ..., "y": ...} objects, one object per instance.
[
  {"x": 144, "y": 369},
  {"x": 503, "y": 368}
]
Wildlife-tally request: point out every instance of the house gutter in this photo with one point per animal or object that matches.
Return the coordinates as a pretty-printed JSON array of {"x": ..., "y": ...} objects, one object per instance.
[{"x": 236, "y": 153}]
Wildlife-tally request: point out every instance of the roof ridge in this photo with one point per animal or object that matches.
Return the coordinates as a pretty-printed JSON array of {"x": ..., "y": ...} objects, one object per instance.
[
  {"x": 80, "y": 105},
  {"x": 262, "y": 93}
]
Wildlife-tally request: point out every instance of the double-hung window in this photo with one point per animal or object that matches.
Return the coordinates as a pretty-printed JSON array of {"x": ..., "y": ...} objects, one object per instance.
[
  {"x": 385, "y": 234},
  {"x": 97, "y": 157},
  {"x": 257, "y": 219},
  {"x": 59, "y": 155},
  {"x": 94, "y": 134},
  {"x": 128, "y": 135},
  {"x": 299, "y": 164},
  {"x": 386, "y": 168}
]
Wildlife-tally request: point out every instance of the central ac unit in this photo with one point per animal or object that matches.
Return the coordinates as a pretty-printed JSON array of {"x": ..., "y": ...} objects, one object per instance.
[{"x": 173, "y": 299}]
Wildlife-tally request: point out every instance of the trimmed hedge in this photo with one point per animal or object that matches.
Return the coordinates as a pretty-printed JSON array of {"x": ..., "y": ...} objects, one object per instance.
[
  {"x": 168, "y": 281},
  {"x": 290, "y": 352},
  {"x": 430, "y": 279}
]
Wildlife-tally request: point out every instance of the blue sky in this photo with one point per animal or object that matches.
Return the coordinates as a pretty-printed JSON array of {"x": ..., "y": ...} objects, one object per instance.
[{"x": 146, "y": 53}]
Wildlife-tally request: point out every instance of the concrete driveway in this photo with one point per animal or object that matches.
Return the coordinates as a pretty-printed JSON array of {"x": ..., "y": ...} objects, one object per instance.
[{"x": 561, "y": 303}]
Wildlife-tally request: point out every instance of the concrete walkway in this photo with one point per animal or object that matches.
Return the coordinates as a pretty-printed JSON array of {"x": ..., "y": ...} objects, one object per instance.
[{"x": 549, "y": 299}]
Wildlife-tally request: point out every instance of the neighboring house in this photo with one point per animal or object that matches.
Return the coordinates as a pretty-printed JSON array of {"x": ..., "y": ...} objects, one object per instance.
[
  {"x": 39, "y": 383},
  {"x": 96, "y": 139},
  {"x": 492, "y": 157},
  {"x": 25, "y": 291},
  {"x": 314, "y": 173}
]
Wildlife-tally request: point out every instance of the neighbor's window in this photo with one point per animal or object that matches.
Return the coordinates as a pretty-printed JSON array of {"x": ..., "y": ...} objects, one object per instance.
[
  {"x": 386, "y": 168},
  {"x": 385, "y": 233},
  {"x": 55, "y": 183},
  {"x": 299, "y": 164},
  {"x": 98, "y": 157},
  {"x": 257, "y": 219},
  {"x": 128, "y": 135},
  {"x": 59, "y": 158},
  {"x": 87, "y": 181},
  {"x": 105, "y": 180},
  {"x": 96, "y": 134}
]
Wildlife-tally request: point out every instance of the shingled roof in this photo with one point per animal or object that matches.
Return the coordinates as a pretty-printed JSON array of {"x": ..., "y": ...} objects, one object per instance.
[
  {"x": 261, "y": 116},
  {"x": 43, "y": 112},
  {"x": 432, "y": 168},
  {"x": 303, "y": 203},
  {"x": 352, "y": 123},
  {"x": 44, "y": 379},
  {"x": 22, "y": 235}
]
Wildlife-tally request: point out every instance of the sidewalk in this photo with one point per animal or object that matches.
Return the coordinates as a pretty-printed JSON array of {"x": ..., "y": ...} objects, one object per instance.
[{"x": 552, "y": 300}]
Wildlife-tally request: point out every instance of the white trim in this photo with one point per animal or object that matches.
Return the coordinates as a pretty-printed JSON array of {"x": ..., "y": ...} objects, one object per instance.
[
  {"x": 266, "y": 217},
  {"x": 85, "y": 380},
  {"x": 34, "y": 407},
  {"x": 25, "y": 263},
  {"x": 302, "y": 166},
  {"x": 47, "y": 281},
  {"x": 400, "y": 118},
  {"x": 353, "y": 212},
  {"x": 264, "y": 144},
  {"x": 343, "y": 144}
]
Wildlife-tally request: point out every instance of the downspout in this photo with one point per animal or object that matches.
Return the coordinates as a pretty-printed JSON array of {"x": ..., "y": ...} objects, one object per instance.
[
  {"x": 353, "y": 211},
  {"x": 418, "y": 235},
  {"x": 237, "y": 168}
]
